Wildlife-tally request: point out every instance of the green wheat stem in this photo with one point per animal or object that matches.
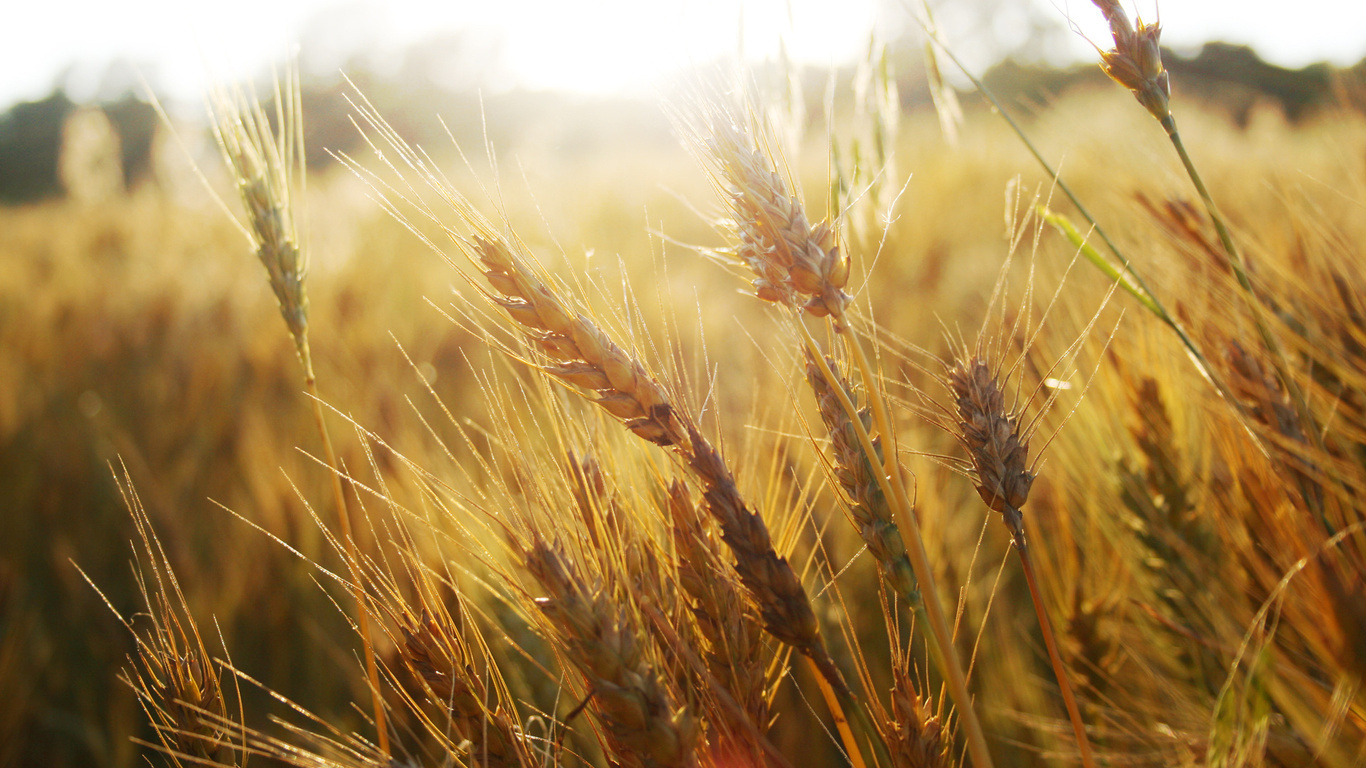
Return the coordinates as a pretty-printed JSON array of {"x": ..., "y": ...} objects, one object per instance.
[
  {"x": 1097, "y": 259},
  {"x": 1152, "y": 302}
]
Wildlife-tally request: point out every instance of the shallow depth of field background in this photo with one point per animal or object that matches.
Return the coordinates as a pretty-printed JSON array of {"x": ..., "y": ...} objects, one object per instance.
[{"x": 137, "y": 330}]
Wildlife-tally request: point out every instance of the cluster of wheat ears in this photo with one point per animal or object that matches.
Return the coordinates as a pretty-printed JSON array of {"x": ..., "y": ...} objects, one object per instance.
[{"x": 665, "y": 606}]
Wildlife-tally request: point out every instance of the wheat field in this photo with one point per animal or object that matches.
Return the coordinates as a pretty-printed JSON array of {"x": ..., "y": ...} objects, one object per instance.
[{"x": 755, "y": 436}]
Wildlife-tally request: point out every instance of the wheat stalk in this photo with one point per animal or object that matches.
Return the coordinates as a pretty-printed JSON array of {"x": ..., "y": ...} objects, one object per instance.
[
  {"x": 999, "y": 452},
  {"x": 265, "y": 166}
]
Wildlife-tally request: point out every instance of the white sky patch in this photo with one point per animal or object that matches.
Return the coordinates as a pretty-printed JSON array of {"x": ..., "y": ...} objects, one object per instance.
[
  {"x": 1289, "y": 34},
  {"x": 592, "y": 46}
]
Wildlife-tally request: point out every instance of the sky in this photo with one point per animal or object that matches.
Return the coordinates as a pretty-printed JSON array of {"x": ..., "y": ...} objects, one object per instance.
[{"x": 589, "y": 46}]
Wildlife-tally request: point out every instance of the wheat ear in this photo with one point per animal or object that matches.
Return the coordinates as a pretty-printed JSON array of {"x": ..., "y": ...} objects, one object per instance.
[
  {"x": 582, "y": 355},
  {"x": 645, "y": 726},
  {"x": 872, "y": 514},
  {"x": 918, "y": 738},
  {"x": 172, "y": 674}
]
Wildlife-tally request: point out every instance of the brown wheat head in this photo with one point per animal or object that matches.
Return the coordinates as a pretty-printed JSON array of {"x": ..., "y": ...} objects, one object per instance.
[{"x": 992, "y": 437}]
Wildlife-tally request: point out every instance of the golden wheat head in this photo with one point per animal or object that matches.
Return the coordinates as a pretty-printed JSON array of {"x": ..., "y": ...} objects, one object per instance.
[{"x": 1136, "y": 60}]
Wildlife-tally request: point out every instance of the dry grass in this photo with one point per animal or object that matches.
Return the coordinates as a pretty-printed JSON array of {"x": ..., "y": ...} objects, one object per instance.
[{"x": 600, "y": 517}]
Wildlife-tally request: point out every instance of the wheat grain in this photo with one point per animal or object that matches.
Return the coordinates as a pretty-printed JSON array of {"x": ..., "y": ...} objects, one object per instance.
[
  {"x": 727, "y": 623},
  {"x": 991, "y": 435},
  {"x": 1136, "y": 60},
  {"x": 854, "y": 471},
  {"x": 646, "y": 726}
]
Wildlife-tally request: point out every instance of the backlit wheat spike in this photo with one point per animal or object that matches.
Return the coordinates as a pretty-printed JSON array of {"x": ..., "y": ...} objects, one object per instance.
[
  {"x": 803, "y": 268},
  {"x": 263, "y": 168},
  {"x": 991, "y": 435},
  {"x": 178, "y": 686},
  {"x": 582, "y": 354},
  {"x": 645, "y": 726},
  {"x": 872, "y": 514},
  {"x": 794, "y": 263},
  {"x": 586, "y": 357},
  {"x": 172, "y": 674},
  {"x": 436, "y": 654},
  {"x": 1136, "y": 60},
  {"x": 999, "y": 452}
]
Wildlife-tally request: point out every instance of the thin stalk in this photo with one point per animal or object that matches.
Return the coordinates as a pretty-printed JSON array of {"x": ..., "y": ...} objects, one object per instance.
[
  {"x": 1156, "y": 306},
  {"x": 1059, "y": 671},
  {"x": 940, "y": 638},
  {"x": 823, "y": 670},
  {"x": 352, "y": 555}
]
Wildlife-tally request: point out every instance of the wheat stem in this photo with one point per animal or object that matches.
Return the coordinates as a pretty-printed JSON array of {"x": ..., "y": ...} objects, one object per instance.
[
  {"x": 837, "y": 711},
  {"x": 352, "y": 557},
  {"x": 1059, "y": 671}
]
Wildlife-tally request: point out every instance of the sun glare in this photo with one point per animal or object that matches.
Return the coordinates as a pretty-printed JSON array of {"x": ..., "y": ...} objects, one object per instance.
[
  {"x": 614, "y": 45},
  {"x": 595, "y": 46}
]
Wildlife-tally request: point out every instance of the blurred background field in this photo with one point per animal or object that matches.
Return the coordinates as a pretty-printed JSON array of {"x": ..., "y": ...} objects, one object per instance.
[{"x": 136, "y": 331}]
